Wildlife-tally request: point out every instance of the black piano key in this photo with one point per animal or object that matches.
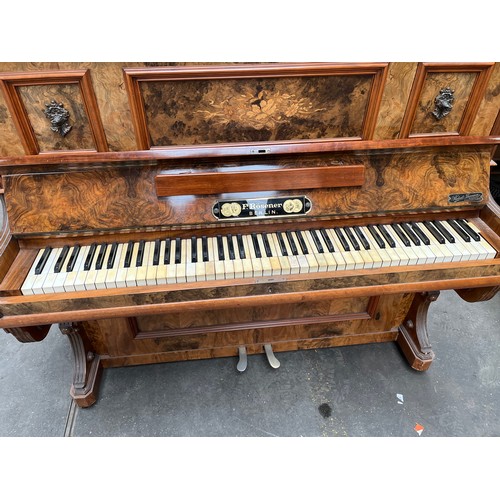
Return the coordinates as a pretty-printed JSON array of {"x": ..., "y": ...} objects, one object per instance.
[
  {"x": 61, "y": 259},
  {"x": 156, "y": 253},
  {"x": 463, "y": 224},
  {"x": 431, "y": 228},
  {"x": 72, "y": 259},
  {"x": 230, "y": 247},
  {"x": 302, "y": 243},
  {"x": 194, "y": 249},
  {"x": 402, "y": 236},
  {"x": 241, "y": 246},
  {"x": 362, "y": 238},
  {"x": 352, "y": 239},
  {"x": 140, "y": 253},
  {"x": 317, "y": 241},
  {"x": 413, "y": 237},
  {"x": 100, "y": 256},
  {"x": 267, "y": 246},
  {"x": 128, "y": 255},
  {"x": 387, "y": 237},
  {"x": 291, "y": 242},
  {"x": 420, "y": 233},
  {"x": 90, "y": 257},
  {"x": 43, "y": 260},
  {"x": 459, "y": 231},
  {"x": 281, "y": 243},
  {"x": 204, "y": 248},
  {"x": 112, "y": 256},
  {"x": 327, "y": 240},
  {"x": 168, "y": 248},
  {"x": 256, "y": 246},
  {"x": 220, "y": 247},
  {"x": 342, "y": 239},
  {"x": 376, "y": 236},
  {"x": 178, "y": 254},
  {"x": 444, "y": 231}
]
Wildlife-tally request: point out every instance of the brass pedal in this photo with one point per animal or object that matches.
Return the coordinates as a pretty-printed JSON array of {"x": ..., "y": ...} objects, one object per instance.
[
  {"x": 243, "y": 361},
  {"x": 271, "y": 358}
]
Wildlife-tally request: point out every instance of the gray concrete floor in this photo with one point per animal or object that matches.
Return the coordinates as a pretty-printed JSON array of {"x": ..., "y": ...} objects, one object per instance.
[{"x": 347, "y": 391}]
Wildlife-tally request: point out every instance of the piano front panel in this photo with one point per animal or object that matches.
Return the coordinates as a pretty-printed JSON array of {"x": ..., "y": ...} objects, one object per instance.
[
  {"x": 112, "y": 197},
  {"x": 156, "y": 338}
]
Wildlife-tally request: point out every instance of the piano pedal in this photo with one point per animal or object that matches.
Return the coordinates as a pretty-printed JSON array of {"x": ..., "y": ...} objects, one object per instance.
[
  {"x": 271, "y": 358},
  {"x": 243, "y": 361}
]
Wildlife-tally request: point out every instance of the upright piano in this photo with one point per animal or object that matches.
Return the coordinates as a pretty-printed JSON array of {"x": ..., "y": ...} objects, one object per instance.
[{"x": 161, "y": 213}]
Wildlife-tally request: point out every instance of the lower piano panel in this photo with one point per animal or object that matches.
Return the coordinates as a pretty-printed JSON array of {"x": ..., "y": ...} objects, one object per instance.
[{"x": 219, "y": 333}]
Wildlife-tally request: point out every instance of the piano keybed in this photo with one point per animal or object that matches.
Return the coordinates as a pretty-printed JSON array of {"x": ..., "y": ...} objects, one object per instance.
[{"x": 232, "y": 256}]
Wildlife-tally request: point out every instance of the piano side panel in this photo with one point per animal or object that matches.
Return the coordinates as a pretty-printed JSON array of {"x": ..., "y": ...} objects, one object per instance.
[{"x": 125, "y": 197}]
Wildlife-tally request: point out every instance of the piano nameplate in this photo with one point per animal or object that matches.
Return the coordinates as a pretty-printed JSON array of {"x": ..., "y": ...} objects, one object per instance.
[{"x": 259, "y": 208}]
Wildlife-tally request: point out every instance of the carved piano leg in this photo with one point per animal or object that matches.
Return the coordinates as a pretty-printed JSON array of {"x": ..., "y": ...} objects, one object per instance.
[
  {"x": 29, "y": 333},
  {"x": 413, "y": 337},
  {"x": 88, "y": 367}
]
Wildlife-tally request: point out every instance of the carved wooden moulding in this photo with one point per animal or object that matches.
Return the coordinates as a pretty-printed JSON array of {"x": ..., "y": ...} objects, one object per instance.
[{"x": 174, "y": 106}]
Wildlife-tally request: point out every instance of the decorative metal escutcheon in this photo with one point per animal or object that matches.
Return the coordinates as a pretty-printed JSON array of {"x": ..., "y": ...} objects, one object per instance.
[
  {"x": 444, "y": 103},
  {"x": 58, "y": 116}
]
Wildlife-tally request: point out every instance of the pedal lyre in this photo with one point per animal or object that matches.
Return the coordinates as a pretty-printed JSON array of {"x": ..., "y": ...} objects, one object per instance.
[{"x": 271, "y": 357}]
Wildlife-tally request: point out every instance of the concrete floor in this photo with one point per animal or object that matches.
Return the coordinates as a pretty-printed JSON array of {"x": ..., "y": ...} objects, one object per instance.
[{"x": 347, "y": 391}]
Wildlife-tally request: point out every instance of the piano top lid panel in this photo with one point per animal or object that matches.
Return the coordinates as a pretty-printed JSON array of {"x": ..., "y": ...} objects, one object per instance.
[
  {"x": 124, "y": 198},
  {"x": 254, "y": 103}
]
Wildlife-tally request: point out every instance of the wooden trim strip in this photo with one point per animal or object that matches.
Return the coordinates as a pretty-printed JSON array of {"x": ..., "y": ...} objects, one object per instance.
[
  {"x": 259, "y": 180},
  {"x": 232, "y": 327},
  {"x": 234, "y": 302},
  {"x": 245, "y": 149}
]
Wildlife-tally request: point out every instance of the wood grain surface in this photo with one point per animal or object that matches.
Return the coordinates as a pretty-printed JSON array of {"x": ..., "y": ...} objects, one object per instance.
[{"x": 125, "y": 197}]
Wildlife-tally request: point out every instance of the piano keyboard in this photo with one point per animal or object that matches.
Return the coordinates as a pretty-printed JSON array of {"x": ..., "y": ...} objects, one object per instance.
[{"x": 180, "y": 260}]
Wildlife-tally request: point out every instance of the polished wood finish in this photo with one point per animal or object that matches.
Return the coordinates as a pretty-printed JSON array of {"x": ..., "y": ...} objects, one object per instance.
[
  {"x": 285, "y": 179},
  {"x": 11, "y": 82},
  {"x": 134, "y": 77},
  {"x": 470, "y": 101},
  {"x": 413, "y": 338},
  {"x": 78, "y": 197},
  {"x": 111, "y": 197}
]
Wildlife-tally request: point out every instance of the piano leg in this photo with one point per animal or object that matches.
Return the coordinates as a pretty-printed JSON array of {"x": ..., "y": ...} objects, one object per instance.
[
  {"x": 413, "y": 338},
  {"x": 88, "y": 367}
]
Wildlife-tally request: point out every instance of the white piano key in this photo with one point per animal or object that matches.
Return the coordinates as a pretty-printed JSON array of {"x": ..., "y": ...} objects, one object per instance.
[
  {"x": 331, "y": 262},
  {"x": 406, "y": 254},
  {"x": 62, "y": 275},
  {"x": 301, "y": 259},
  {"x": 321, "y": 262},
  {"x": 292, "y": 259},
  {"x": 460, "y": 247},
  {"x": 491, "y": 252},
  {"x": 371, "y": 254},
  {"x": 152, "y": 269},
  {"x": 383, "y": 256},
  {"x": 218, "y": 264},
  {"x": 132, "y": 270},
  {"x": 267, "y": 269},
  {"x": 171, "y": 265},
  {"x": 27, "y": 286},
  {"x": 40, "y": 279},
  {"x": 121, "y": 272},
  {"x": 200, "y": 266},
  {"x": 346, "y": 256},
  {"x": 161, "y": 272},
  {"x": 239, "y": 270},
  {"x": 51, "y": 275},
  {"x": 100, "y": 277},
  {"x": 440, "y": 251},
  {"x": 111, "y": 274}
]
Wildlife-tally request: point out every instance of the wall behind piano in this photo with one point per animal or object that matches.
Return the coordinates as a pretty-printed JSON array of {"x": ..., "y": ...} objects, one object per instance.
[{"x": 113, "y": 104}]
